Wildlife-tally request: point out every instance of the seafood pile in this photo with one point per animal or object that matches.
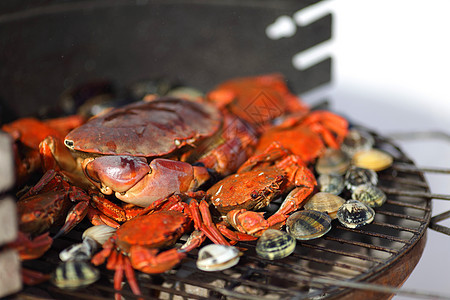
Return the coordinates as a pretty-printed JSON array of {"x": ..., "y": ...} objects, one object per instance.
[{"x": 179, "y": 162}]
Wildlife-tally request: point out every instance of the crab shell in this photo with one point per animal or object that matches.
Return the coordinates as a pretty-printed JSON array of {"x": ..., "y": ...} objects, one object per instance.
[
  {"x": 147, "y": 129},
  {"x": 152, "y": 231},
  {"x": 249, "y": 190}
]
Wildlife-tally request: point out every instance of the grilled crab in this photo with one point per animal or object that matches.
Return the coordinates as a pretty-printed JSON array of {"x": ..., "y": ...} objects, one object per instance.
[
  {"x": 260, "y": 180},
  {"x": 27, "y": 133},
  {"x": 262, "y": 100},
  {"x": 137, "y": 244},
  {"x": 143, "y": 152}
]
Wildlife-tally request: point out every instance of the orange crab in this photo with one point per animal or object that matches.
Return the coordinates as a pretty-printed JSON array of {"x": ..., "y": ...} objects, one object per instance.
[
  {"x": 261, "y": 100},
  {"x": 137, "y": 243},
  {"x": 306, "y": 135},
  {"x": 53, "y": 198},
  {"x": 28, "y": 133},
  {"x": 48, "y": 202},
  {"x": 258, "y": 99},
  {"x": 143, "y": 152},
  {"x": 260, "y": 180}
]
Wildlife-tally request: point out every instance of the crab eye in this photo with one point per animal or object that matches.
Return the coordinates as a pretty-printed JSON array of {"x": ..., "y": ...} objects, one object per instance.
[{"x": 69, "y": 143}]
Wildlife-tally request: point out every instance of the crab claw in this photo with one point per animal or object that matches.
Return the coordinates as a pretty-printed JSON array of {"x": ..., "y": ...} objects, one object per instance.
[
  {"x": 136, "y": 182},
  {"x": 115, "y": 173},
  {"x": 148, "y": 261},
  {"x": 249, "y": 222},
  {"x": 31, "y": 248}
]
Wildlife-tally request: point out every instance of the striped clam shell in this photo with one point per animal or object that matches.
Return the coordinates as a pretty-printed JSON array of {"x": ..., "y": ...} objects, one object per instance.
[
  {"x": 74, "y": 274},
  {"x": 356, "y": 176},
  {"x": 357, "y": 140},
  {"x": 331, "y": 183},
  {"x": 275, "y": 244},
  {"x": 308, "y": 224},
  {"x": 333, "y": 161},
  {"x": 369, "y": 195}
]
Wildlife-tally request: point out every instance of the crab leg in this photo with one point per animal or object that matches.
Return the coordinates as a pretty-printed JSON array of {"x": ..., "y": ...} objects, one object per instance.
[
  {"x": 234, "y": 235},
  {"x": 96, "y": 217},
  {"x": 31, "y": 277},
  {"x": 147, "y": 261},
  {"x": 31, "y": 248},
  {"x": 117, "y": 260},
  {"x": 292, "y": 202},
  {"x": 196, "y": 238},
  {"x": 74, "y": 217},
  {"x": 131, "y": 277},
  {"x": 304, "y": 182},
  {"x": 203, "y": 222},
  {"x": 273, "y": 152},
  {"x": 324, "y": 122}
]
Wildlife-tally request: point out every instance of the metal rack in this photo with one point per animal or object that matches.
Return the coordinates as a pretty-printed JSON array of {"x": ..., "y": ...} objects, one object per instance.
[{"x": 368, "y": 263}]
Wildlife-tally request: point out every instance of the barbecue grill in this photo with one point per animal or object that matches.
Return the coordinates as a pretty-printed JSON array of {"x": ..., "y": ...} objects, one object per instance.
[
  {"x": 383, "y": 252},
  {"x": 55, "y": 45}
]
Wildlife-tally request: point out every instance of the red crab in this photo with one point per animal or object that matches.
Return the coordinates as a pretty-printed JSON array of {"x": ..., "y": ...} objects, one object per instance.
[
  {"x": 135, "y": 151},
  {"x": 258, "y": 99},
  {"x": 27, "y": 134},
  {"x": 260, "y": 180},
  {"x": 48, "y": 203},
  {"x": 261, "y": 99},
  {"x": 31, "y": 248},
  {"x": 53, "y": 199},
  {"x": 137, "y": 243},
  {"x": 306, "y": 135}
]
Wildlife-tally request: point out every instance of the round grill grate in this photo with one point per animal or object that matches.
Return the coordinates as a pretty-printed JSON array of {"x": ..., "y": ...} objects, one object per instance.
[{"x": 384, "y": 252}]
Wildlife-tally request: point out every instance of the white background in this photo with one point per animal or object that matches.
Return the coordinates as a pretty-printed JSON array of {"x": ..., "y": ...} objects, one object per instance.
[{"x": 391, "y": 73}]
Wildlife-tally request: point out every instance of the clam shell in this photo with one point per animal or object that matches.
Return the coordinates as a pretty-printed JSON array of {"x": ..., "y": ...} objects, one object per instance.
[
  {"x": 74, "y": 274},
  {"x": 356, "y": 176},
  {"x": 369, "y": 195},
  {"x": 99, "y": 233},
  {"x": 333, "y": 161},
  {"x": 79, "y": 251},
  {"x": 325, "y": 202},
  {"x": 373, "y": 159},
  {"x": 355, "y": 214},
  {"x": 217, "y": 257},
  {"x": 275, "y": 244},
  {"x": 357, "y": 140},
  {"x": 331, "y": 183},
  {"x": 308, "y": 224}
]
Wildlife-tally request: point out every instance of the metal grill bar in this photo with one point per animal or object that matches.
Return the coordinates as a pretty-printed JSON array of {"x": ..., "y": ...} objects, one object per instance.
[
  {"x": 414, "y": 169},
  {"x": 361, "y": 244},
  {"x": 343, "y": 253},
  {"x": 398, "y": 227},
  {"x": 374, "y": 234},
  {"x": 393, "y": 214},
  {"x": 406, "y": 181},
  {"x": 409, "y": 205},
  {"x": 414, "y": 194}
]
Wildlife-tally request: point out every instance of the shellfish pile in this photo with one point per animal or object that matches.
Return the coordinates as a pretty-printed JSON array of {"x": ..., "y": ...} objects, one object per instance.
[
  {"x": 207, "y": 165},
  {"x": 349, "y": 172}
]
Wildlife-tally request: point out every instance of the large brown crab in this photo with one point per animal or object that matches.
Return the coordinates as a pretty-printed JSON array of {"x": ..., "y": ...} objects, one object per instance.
[{"x": 143, "y": 151}]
